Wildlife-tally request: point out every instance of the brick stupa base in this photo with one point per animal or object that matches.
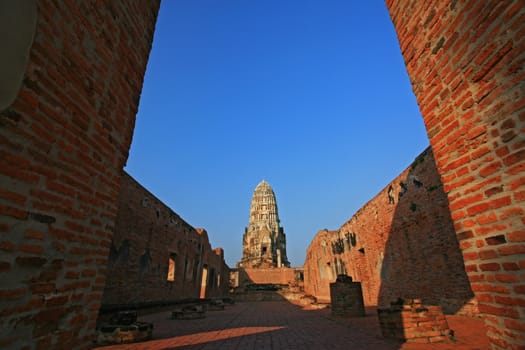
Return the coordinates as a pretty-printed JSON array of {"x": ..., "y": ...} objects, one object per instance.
[{"x": 411, "y": 321}]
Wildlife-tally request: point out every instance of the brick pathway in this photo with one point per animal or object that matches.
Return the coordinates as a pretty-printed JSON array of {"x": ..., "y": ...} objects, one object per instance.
[{"x": 281, "y": 325}]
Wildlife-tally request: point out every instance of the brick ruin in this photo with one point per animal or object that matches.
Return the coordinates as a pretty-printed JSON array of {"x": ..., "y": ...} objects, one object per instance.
[
  {"x": 465, "y": 61},
  {"x": 64, "y": 140},
  {"x": 411, "y": 321},
  {"x": 401, "y": 244},
  {"x": 66, "y": 120},
  {"x": 156, "y": 258}
]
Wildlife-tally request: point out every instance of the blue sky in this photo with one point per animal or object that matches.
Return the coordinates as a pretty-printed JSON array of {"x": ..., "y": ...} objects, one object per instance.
[{"x": 311, "y": 96}]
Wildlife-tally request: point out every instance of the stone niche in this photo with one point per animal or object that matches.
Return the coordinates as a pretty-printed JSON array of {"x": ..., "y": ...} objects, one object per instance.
[
  {"x": 346, "y": 297},
  {"x": 411, "y": 321}
]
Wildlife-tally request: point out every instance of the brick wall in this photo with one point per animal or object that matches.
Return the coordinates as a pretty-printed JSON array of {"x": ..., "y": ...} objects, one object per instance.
[
  {"x": 147, "y": 235},
  {"x": 401, "y": 243},
  {"x": 283, "y": 275},
  {"x": 465, "y": 60},
  {"x": 63, "y": 143}
]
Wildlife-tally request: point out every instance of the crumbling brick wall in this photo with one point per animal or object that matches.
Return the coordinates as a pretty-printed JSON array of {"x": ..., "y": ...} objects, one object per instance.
[
  {"x": 147, "y": 236},
  {"x": 401, "y": 243},
  {"x": 63, "y": 143},
  {"x": 465, "y": 60},
  {"x": 280, "y": 275}
]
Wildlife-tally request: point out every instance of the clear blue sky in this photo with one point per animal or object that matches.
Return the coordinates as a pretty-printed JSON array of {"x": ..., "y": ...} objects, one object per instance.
[{"x": 311, "y": 96}]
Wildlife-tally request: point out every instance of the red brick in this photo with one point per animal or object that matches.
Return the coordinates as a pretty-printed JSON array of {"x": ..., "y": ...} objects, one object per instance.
[
  {"x": 515, "y": 324},
  {"x": 490, "y": 169},
  {"x": 516, "y": 236},
  {"x": 31, "y": 248},
  {"x": 505, "y": 300},
  {"x": 57, "y": 300},
  {"x": 508, "y": 212},
  {"x": 507, "y": 278},
  {"x": 30, "y": 261},
  {"x": 498, "y": 311},
  {"x": 34, "y": 234},
  {"x": 519, "y": 289},
  {"x": 510, "y": 266},
  {"x": 7, "y": 246},
  {"x": 478, "y": 208},
  {"x": 487, "y": 254},
  {"x": 519, "y": 196},
  {"x": 511, "y": 249},
  {"x": 19, "y": 174},
  {"x": 12, "y": 293},
  {"x": 488, "y": 298},
  {"x": 487, "y": 219},
  {"x": 13, "y": 212},
  {"x": 462, "y": 202},
  {"x": 514, "y": 185},
  {"x": 13, "y": 197},
  {"x": 490, "y": 267}
]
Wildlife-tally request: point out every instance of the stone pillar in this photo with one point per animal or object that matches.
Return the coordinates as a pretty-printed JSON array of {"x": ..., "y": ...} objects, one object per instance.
[{"x": 346, "y": 297}]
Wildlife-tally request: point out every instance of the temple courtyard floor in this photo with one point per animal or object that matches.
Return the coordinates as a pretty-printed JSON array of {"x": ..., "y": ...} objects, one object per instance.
[{"x": 281, "y": 325}]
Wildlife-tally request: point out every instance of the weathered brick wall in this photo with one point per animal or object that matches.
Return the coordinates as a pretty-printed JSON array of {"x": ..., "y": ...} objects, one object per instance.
[
  {"x": 283, "y": 275},
  {"x": 147, "y": 234},
  {"x": 63, "y": 143},
  {"x": 465, "y": 60},
  {"x": 401, "y": 243},
  {"x": 318, "y": 270}
]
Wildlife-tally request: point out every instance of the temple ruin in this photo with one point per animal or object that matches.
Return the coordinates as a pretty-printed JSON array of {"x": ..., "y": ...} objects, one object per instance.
[
  {"x": 264, "y": 240},
  {"x": 67, "y": 115}
]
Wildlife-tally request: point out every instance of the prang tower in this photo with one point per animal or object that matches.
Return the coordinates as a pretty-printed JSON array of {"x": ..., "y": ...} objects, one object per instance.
[{"x": 264, "y": 241}]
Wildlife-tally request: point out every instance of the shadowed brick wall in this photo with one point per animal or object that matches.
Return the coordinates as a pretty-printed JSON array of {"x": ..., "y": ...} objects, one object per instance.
[
  {"x": 465, "y": 60},
  {"x": 63, "y": 143},
  {"x": 147, "y": 235},
  {"x": 401, "y": 243}
]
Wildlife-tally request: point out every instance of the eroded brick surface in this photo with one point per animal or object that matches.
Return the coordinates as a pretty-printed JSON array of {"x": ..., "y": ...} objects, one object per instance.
[
  {"x": 401, "y": 243},
  {"x": 147, "y": 236},
  {"x": 465, "y": 61},
  {"x": 63, "y": 143}
]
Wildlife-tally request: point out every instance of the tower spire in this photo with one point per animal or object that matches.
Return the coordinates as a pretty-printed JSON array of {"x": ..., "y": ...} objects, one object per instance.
[{"x": 264, "y": 241}]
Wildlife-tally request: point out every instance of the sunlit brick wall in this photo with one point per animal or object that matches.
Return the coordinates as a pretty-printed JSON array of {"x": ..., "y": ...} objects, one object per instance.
[{"x": 465, "y": 60}]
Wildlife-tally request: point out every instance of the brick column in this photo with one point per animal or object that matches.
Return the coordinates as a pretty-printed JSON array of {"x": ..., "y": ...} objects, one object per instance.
[
  {"x": 465, "y": 61},
  {"x": 63, "y": 143}
]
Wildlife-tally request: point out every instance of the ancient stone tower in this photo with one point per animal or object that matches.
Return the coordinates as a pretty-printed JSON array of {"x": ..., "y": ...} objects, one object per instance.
[{"x": 264, "y": 241}]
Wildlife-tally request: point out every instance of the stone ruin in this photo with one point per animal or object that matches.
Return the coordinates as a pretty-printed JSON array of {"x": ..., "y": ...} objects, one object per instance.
[
  {"x": 189, "y": 312},
  {"x": 123, "y": 327}
]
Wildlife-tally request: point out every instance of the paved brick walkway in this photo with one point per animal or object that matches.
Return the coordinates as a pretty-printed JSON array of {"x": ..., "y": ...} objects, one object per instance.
[{"x": 281, "y": 325}]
